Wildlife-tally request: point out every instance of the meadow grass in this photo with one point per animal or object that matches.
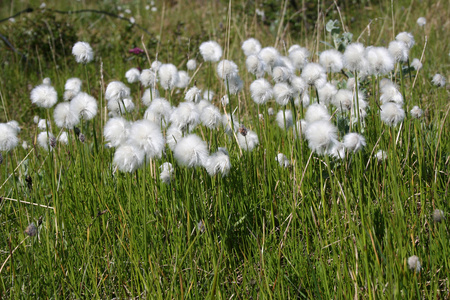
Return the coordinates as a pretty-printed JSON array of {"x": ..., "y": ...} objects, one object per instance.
[{"x": 321, "y": 228}]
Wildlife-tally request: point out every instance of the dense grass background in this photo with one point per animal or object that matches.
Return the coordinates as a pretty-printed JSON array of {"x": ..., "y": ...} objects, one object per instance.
[{"x": 321, "y": 229}]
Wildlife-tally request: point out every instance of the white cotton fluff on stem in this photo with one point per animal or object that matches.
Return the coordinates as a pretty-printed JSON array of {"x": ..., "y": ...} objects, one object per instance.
[
  {"x": 282, "y": 160},
  {"x": 298, "y": 56},
  {"x": 211, "y": 51},
  {"x": 354, "y": 57},
  {"x": 44, "y": 96},
  {"x": 167, "y": 171},
  {"x": 314, "y": 74},
  {"x": 321, "y": 136},
  {"x": 120, "y": 107},
  {"x": 65, "y": 117},
  {"x": 414, "y": 264},
  {"x": 71, "y": 88},
  {"x": 208, "y": 95},
  {"x": 438, "y": 80},
  {"x": 148, "y": 78},
  {"x": 191, "y": 64},
  {"x": 284, "y": 117},
  {"x": 218, "y": 162},
  {"x": 327, "y": 93},
  {"x": 185, "y": 115},
  {"x": 392, "y": 114},
  {"x": 416, "y": 64},
  {"x": 283, "y": 93},
  {"x": 43, "y": 140},
  {"x": 416, "y": 112},
  {"x": 173, "y": 135},
  {"x": 147, "y": 135},
  {"x": 133, "y": 75},
  {"x": 234, "y": 84},
  {"x": 251, "y": 47},
  {"x": 390, "y": 93},
  {"x": 191, "y": 151},
  {"x": 407, "y": 38},
  {"x": 128, "y": 158},
  {"x": 211, "y": 117},
  {"x": 399, "y": 50},
  {"x": 300, "y": 128},
  {"x": 317, "y": 112},
  {"x": 337, "y": 151},
  {"x": 43, "y": 124},
  {"x": 159, "y": 111},
  {"x": 226, "y": 69},
  {"x": 14, "y": 125},
  {"x": 84, "y": 106},
  {"x": 116, "y": 131},
  {"x": 421, "y": 21},
  {"x": 183, "y": 79},
  {"x": 282, "y": 74},
  {"x": 168, "y": 76},
  {"x": 331, "y": 60},
  {"x": 261, "y": 91},
  {"x": 202, "y": 105},
  {"x": 83, "y": 52},
  {"x": 354, "y": 141},
  {"x": 343, "y": 100},
  {"x": 116, "y": 90},
  {"x": 64, "y": 138},
  {"x": 380, "y": 61},
  {"x": 149, "y": 95},
  {"x": 226, "y": 123},
  {"x": 270, "y": 57},
  {"x": 156, "y": 65},
  {"x": 381, "y": 155},
  {"x": 255, "y": 65},
  {"x": 298, "y": 84},
  {"x": 249, "y": 141},
  {"x": 8, "y": 137}
]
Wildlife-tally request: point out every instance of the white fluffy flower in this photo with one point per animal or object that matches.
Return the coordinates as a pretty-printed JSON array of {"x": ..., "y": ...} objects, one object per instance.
[
  {"x": 337, "y": 150},
  {"x": 399, "y": 50},
  {"x": 416, "y": 112},
  {"x": 183, "y": 79},
  {"x": 191, "y": 151},
  {"x": 44, "y": 96},
  {"x": 251, "y": 46},
  {"x": 43, "y": 124},
  {"x": 270, "y": 111},
  {"x": 43, "y": 140},
  {"x": 392, "y": 113},
  {"x": 343, "y": 100},
  {"x": 261, "y": 91},
  {"x": 249, "y": 141},
  {"x": 218, "y": 162},
  {"x": 159, "y": 111},
  {"x": 226, "y": 69},
  {"x": 284, "y": 119},
  {"x": 421, "y": 21},
  {"x": 83, "y": 52},
  {"x": 234, "y": 84},
  {"x": 185, "y": 115},
  {"x": 327, "y": 93},
  {"x": 438, "y": 80},
  {"x": 191, "y": 64},
  {"x": 168, "y": 76},
  {"x": 120, "y": 107},
  {"x": 317, "y": 112},
  {"x": 133, "y": 75},
  {"x": 211, "y": 51},
  {"x": 63, "y": 138},
  {"x": 321, "y": 136},
  {"x": 14, "y": 125},
  {"x": 270, "y": 56},
  {"x": 148, "y": 77},
  {"x": 208, "y": 95},
  {"x": 72, "y": 88},
  {"x": 390, "y": 93},
  {"x": 156, "y": 65},
  {"x": 414, "y": 264},
  {"x": 84, "y": 106},
  {"x": 149, "y": 95},
  {"x": 202, "y": 105},
  {"x": 211, "y": 117},
  {"x": 331, "y": 60},
  {"x": 173, "y": 135},
  {"x": 283, "y": 93},
  {"x": 282, "y": 160},
  {"x": 314, "y": 74},
  {"x": 354, "y": 57},
  {"x": 298, "y": 84},
  {"x": 407, "y": 38},
  {"x": 117, "y": 91},
  {"x": 298, "y": 56},
  {"x": 255, "y": 65},
  {"x": 166, "y": 174},
  {"x": 194, "y": 94},
  {"x": 380, "y": 61},
  {"x": 281, "y": 74},
  {"x": 227, "y": 125},
  {"x": 116, "y": 131},
  {"x": 354, "y": 141},
  {"x": 8, "y": 137},
  {"x": 128, "y": 158},
  {"x": 65, "y": 117},
  {"x": 147, "y": 135},
  {"x": 416, "y": 64},
  {"x": 381, "y": 155}
]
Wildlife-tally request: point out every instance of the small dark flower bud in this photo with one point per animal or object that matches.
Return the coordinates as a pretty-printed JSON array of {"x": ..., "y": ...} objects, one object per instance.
[
  {"x": 82, "y": 138},
  {"x": 52, "y": 141},
  {"x": 77, "y": 131},
  {"x": 31, "y": 230},
  {"x": 243, "y": 130},
  {"x": 1, "y": 158}
]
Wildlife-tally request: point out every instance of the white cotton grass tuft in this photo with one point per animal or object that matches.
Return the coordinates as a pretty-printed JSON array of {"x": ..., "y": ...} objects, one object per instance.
[
  {"x": 421, "y": 21},
  {"x": 407, "y": 38},
  {"x": 399, "y": 50},
  {"x": 234, "y": 84},
  {"x": 354, "y": 57},
  {"x": 225, "y": 100},
  {"x": 226, "y": 69},
  {"x": 218, "y": 163},
  {"x": 416, "y": 64},
  {"x": 128, "y": 158},
  {"x": 120, "y": 107},
  {"x": 116, "y": 131},
  {"x": 270, "y": 111},
  {"x": 208, "y": 95},
  {"x": 47, "y": 81},
  {"x": 167, "y": 171},
  {"x": 438, "y": 216},
  {"x": 414, "y": 264},
  {"x": 282, "y": 160},
  {"x": 185, "y": 116},
  {"x": 84, "y": 105},
  {"x": 14, "y": 125},
  {"x": 321, "y": 136},
  {"x": 202, "y": 105},
  {"x": 249, "y": 141},
  {"x": 211, "y": 117},
  {"x": 155, "y": 65},
  {"x": 327, "y": 93},
  {"x": 63, "y": 138},
  {"x": 298, "y": 84},
  {"x": 337, "y": 150},
  {"x": 71, "y": 88},
  {"x": 261, "y": 91},
  {"x": 354, "y": 141},
  {"x": 8, "y": 137},
  {"x": 191, "y": 64},
  {"x": 133, "y": 75},
  {"x": 44, "y": 96},
  {"x": 390, "y": 93},
  {"x": 299, "y": 56},
  {"x": 255, "y": 65},
  {"x": 302, "y": 99},
  {"x": 191, "y": 151},
  {"x": 331, "y": 60},
  {"x": 284, "y": 119},
  {"x": 149, "y": 95},
  {"x": 416, "y": 112},
  {"x": 251, "y": 47},
  {"x": 281, "y": 74},
  {"x": 227, "y": 125},
  {"x": 211, "y": 51},
  {"x": 283, "y": 93},
  {"x": 270, "y": 57},
  {"x": 168, "y": 76},
  {"x": 43, "y": 124},
  {"x": 147, "y": 136},
  {"x": 317, "y": 112},
  {"x": 64, "y": 116},
  {"x": 314, "y": 74},
  {"x": 438, "y": 80},
  {"x": 173, "y": 135},
  {"x": 183, "y": 80},
  {"x": 380, "y": 61},
  {"x": 83, "y": 52},
  {"x": 343, "y": 100},
  {"x": 159, "y": 111},
  {"x": 116, "y": 91},
  {"x": 392, "y": 113},
  {"x": 43, "y": 140},
  {"x": 381, "y": 155},
  {"x": 148, "y": 77}
]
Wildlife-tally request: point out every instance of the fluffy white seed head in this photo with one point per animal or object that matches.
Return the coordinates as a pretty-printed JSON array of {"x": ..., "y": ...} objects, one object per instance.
[
  {"x": 47, "y": 81},
  {"x": 270, "y": 57},
  {"x": 159, "y": 111},
  {"x": 399, "y": 50},
  {"x": 185, "y": 115},
  {"x": 337, "y": 151},
  {"x": 282, "y": 160},
  {"x": 327, "y": 93},
  {"x": 390, "y": 93},
  {"x": 227, "y": 125},
  {"x": 149, "y": 95},
  {"x": 167, "y": 171},
  {"x": 314, "y": 74},
  {"x": 133, "y": 75},
  {"x": 84, "y": 106},
  {"x": 354, "y": 57},
  {"x": 416, "y": 64},
  {"x": 73, "y": 84},
  {"x": 156, "y": 65},
  {"x": 218, "y": 162},
  {"x": 116, "y": 131},
  {"x": 116, "y": 91},
  {"x": 211, "y": 117},
  {"x": 414, "y": 264},
  {"x": 226, "y": 69},
  {"x": 281, "y": 74},
  {"x": 284, "y": 119},
  {"x": 211, "y": 51},
  {"x": 202, "y": 105},
  {"x": 416, "y": 112},
  {"x": 8, "y": 137},
  {"x": 298, "y": 84},
  {"x": 191, "y": 151},
  {"x": 438, "y": 215},
  {"x": 283, "y": 93},
  {"x": 44, "y": 96},
  {"x": 421, "y": 21},
  {"x": 321, "y": 136},
  {"x": 270, "y": 111},
  {"x": 148, "y": 77},
  {"x": 251, "y": 46},
  {"x": 317, "y": 112},
  {"x": 380, "y": 60},
  {"x": 43, "y": 140},
  {"x": 64, "y": 138},
  {"x": 191, "y": 64},
  {"x": 168, "y": 76},
  {"x": 234, "y": 84},
  {"x": 83, "y": 52},
  {"x": 343, "y": 100},
  {"x": 43, "y": 124},
  {"x": 354, "y": 142},
  {"x": 298, "y": 56},
  {"x": 65, "y": 117},
  {"x": 120, "y": 107},
  {"x": 208, "y": 95},
  {"x": 381, "y": 155},
  {"x": 392, "y": 114},
  {"x": 331, "y": 60},
  {"x": 147, "y": 136},
  {"x": 194, "y": 94},
  {"x": 261, "y": 91},
  {"x": 14, "y": 125},
  {"x": 407, "y": 38},
  {"x": 255, "y": 65},
  {"x": 249, "y": 141},
  {"x": 128, "y": 158},
  {"x": 173, "y": 135},
  {"x": 183, "y": 79},
  {"x": 438, "y": 80}
]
